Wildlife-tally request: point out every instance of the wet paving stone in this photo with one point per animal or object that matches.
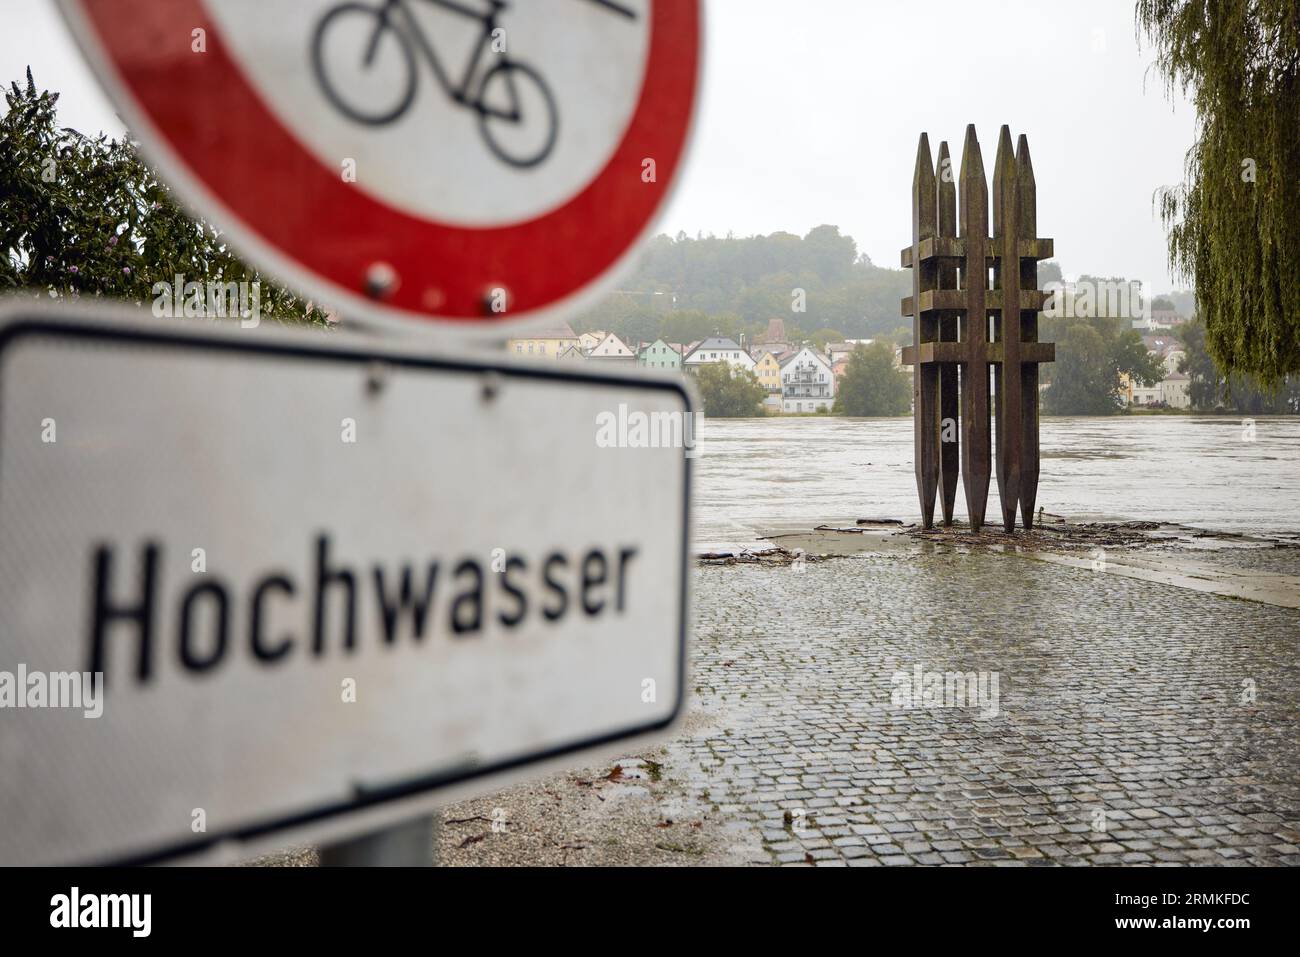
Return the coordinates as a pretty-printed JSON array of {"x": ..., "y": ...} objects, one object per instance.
[{"x": 1120, "y": 722}]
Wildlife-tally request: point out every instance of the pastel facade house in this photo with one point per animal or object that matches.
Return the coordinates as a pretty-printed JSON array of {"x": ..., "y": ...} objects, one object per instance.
[
  {"x": 1175, "y": 391},
  {"x": 768, "y": 371},
  {"x": 659, "y": 355},
  {"x": 544, "y": 344},
  {"x": 807, "y": 382},
  {"x": 612, "y": 349},
  {"x": 589, "y": 340},
  {"x": 1141, "y": 394},
  {"x": 835, "y": 351},
  {"x": 718, "y": 349}
]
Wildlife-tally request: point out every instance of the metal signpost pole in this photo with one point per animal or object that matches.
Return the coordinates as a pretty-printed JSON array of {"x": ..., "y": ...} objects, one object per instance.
[{"x": 412, "y": 844}]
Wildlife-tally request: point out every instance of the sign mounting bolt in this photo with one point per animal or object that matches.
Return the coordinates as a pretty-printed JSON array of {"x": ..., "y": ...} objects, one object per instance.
[
  {"x": 381, "y": 280},
  {"x": 376, "y": 377}
]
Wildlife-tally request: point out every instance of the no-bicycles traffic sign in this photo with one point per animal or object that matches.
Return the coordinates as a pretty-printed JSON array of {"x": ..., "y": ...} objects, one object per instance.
[{"x": 474, "y": 161}]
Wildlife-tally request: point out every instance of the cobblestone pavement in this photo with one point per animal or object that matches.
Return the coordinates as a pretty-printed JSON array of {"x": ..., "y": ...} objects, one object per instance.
[{"x": 1125, "y": 730}]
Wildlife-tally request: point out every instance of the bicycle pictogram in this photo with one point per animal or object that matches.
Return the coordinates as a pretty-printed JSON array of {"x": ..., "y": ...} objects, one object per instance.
[{"x": 517, "y": 115}]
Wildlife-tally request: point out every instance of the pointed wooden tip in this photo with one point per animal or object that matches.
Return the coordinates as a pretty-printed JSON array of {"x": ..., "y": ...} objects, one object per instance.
[
  {"x": 1026, "y": 189},
  {"x": 924, "y": 164},
  {"x": 1005, "y": 164},
  {"x": 1024, "y": 163},
  {"x": 972, "y": 163}
]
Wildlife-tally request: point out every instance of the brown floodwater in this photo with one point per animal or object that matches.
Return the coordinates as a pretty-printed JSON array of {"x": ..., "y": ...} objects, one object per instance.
[{"x": 1207, "y": 471}]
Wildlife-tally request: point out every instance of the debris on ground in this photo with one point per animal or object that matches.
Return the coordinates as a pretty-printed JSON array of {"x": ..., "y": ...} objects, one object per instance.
[{"x": 776, "y": 555}]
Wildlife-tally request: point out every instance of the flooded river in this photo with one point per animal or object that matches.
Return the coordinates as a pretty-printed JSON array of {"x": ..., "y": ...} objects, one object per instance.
[{"x": 1198, "y": 470}]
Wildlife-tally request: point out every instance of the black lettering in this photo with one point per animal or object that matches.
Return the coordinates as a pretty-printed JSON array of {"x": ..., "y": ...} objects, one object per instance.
[
  {"x": 324, "y": 579},
  {"x": 390, "y": 610},
  {"x": 592, "y": 580},
  {"x": 521, "y": 601},
  {"x": 472, "y": 599},
  {"x": 103, "y": 613},
  {"x": 189, "y": 658},
  {"x": 260, "y": 650},
  {"x": 625, "y": 555},
  {"x": 555, "y": 614}
]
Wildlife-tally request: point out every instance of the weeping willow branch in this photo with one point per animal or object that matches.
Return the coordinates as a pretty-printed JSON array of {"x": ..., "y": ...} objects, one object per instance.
[{"x": 1234, "y": 224}]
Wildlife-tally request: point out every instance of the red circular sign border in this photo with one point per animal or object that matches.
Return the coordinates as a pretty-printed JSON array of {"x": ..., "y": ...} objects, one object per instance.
[{"x": 543, "y": 263}]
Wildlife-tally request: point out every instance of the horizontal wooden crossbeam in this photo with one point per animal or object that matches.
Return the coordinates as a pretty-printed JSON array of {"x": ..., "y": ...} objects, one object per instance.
[
  {"x": 954, "y": 247},
  {"x": 960, "y": 352},
  {"x": 954, "y": 300}
]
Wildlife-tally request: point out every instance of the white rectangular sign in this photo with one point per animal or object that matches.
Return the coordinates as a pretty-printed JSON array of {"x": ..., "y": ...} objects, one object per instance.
[{"x": 320, "y": 576}]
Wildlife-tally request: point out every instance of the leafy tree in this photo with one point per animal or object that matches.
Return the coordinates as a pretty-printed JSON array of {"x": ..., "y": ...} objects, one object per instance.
[
  {"x": 823, "y": 337},
  {"x": 1234, "y": 224},
  {"x": 729, "y": 391},
  {"x": 1090, "y": 356},
  {"x": 740, "y": 283},
  {"x": 1210, "y": 389},
  {"x": 688, "y": 325},
  {"x": 1205, "y": 384},
  {"x": 871, "y": 385},
  {"x": 85, "y": 217}
]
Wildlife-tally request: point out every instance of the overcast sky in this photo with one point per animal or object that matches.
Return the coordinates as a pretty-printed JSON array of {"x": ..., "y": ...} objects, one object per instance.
[{"x": 812, "y": 108}]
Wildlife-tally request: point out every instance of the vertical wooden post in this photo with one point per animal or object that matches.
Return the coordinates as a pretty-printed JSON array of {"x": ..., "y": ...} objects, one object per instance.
[
  {"x": 949, "y": 405},
  {"x": 925, "y": 380},
  {"x": 1027, "y": 199},
  {"x": 975, "y": 450},
  {"x": 1006, "y": 234}
]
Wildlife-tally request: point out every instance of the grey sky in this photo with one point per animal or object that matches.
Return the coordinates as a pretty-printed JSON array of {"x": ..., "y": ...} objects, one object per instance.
[{"x": 812, "y": 108}]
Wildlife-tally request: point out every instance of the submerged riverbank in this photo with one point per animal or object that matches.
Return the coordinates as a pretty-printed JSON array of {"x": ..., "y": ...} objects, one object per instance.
[{"x": 1264, "y": 568}]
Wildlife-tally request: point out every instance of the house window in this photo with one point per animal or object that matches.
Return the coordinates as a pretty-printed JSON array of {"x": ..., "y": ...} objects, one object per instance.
[{"x": 519, "y": 347}]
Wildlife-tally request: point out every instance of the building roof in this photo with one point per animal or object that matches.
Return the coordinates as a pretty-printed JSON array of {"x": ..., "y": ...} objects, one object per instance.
[
  {"x": 620, "y": 345},
  {"x": 795, "y": 353},
  {"x": 719, "y": 342},
  {"x": 642, "y": 347},
  {"x": 1162, "y": 344},
  {"x": 562, "y": 331}
]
